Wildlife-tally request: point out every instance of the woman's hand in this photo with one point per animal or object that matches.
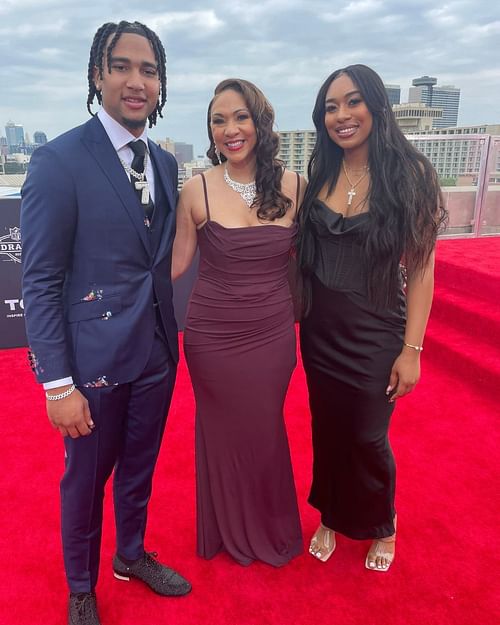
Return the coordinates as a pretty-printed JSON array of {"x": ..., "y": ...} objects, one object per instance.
[
  {"x": 405, "y": 374},
  {"x": 405, "y": 371}
]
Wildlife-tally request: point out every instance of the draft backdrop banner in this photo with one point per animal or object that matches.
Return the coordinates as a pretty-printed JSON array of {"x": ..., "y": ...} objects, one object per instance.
[{"x": 12, "y": 332}]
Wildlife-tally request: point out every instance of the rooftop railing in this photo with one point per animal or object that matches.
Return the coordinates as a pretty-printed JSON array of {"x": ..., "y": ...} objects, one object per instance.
[
  {"x": 468, "y": 166},
  {"x": 471, "y": 196}
]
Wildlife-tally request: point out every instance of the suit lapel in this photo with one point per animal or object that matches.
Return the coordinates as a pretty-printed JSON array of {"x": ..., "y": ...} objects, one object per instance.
[
  {"x": 163, "y": 174},
  {"x": 101, "y": 149},
  {"x": 163, "y": 187}
]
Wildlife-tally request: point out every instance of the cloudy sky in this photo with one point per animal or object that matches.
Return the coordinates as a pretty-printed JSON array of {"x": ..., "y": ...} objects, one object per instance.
[{"x": 287, "y": 47}]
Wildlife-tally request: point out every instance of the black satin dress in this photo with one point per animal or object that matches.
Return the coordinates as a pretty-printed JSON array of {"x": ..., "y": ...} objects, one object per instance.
[{"x": 348, "y": 349}]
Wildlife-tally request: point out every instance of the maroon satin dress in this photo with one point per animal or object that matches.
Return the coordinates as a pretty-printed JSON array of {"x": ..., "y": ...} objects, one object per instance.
[{"x": 239, "y": 343}]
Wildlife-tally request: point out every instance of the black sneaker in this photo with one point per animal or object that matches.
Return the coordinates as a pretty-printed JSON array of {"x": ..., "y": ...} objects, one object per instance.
[
  {"x": 158, "y": 577},
  {"x": 82, "y": 609}
]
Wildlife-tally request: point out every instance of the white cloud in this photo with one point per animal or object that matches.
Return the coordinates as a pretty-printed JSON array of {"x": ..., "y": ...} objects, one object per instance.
[
  {"x": 195, "y": 81},
  {"x": 28, "y": 30},
  {"x": 480, "y": 32},
  {"x": 391, "y": 22},
  {"x": 287, "y": 47},
  {"x": 353, "y": 10},
  {"x": 250, "y": 12},
  {"x": 11, "y": 6},
  {"x": 198, "y": 23},
  {"x": 50, "y": 53},
  {"x": 54, "y": 86},
  {"x": 444, "y": 16}
]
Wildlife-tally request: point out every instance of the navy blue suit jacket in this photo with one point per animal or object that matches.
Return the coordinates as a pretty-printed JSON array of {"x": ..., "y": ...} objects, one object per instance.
[{"x": 90, "y": 269}]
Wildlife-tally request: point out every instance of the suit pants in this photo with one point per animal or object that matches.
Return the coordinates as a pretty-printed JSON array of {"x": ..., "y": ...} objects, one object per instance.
[{"x": 129, "y": 423}]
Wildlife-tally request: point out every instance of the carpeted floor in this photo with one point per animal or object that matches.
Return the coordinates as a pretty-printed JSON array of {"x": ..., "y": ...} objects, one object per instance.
[{"x": 445, "y": 437}]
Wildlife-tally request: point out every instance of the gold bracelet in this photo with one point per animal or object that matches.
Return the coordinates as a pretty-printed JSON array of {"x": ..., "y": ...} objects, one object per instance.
[{"x": 417, "y": 348}]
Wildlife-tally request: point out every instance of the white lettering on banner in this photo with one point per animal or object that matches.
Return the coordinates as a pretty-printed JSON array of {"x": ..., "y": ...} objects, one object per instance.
[
  {"x": 10, "y": 245},
  {"x": 12, "y": 304}
]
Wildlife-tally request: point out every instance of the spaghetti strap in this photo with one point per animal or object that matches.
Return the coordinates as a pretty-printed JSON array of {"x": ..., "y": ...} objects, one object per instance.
[
  {"x": 297, "y": 197},
  {"x": 206, "y": 195}
]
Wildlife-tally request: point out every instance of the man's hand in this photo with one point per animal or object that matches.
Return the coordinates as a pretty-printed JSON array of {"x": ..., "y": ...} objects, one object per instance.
[{"x": 71, "y": 415}]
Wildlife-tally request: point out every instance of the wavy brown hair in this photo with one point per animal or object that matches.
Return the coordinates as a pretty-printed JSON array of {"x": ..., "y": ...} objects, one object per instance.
[{"x": 272, "y": 203}]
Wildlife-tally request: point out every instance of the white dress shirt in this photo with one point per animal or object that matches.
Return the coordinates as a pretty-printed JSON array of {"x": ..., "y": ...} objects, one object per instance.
[{"x": 120, "y": 137}]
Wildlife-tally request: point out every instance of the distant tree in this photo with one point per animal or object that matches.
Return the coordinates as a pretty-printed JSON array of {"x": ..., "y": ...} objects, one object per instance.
[
  {"x": 448, "y": 182},
  {"x": 13, "y": 167}
]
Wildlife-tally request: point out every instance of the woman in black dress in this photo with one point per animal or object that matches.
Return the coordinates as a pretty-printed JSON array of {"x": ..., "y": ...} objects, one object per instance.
[{"x": 368, "y": 226}]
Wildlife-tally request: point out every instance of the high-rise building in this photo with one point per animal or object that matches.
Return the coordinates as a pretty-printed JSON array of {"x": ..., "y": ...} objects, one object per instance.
[
  {"x": 446, "y": 97},
  {"x": 167, "y": 145},
  {"x": 4, "y": 148},
  {"x": 393, "y": 93},
  {"x": 15, "y": 134},
  {"x": 425, "y": 90},
  {"x": 456, "y": 152},
  {"x": 39, "y": 137},
  {"x": 183, "y": 152},
  {"x": 296, "y": 147},
  {"x": 415, "y": 117},
  {"x": 194, "y": 167},
  {"x": 421, "y": 92}
]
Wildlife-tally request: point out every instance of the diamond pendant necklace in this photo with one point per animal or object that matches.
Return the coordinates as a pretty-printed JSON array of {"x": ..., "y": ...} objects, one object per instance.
[
  {"x": 248, "y": 190},
  {"x": 351, "y": 193},
  {"x": 141, "y": 184}
]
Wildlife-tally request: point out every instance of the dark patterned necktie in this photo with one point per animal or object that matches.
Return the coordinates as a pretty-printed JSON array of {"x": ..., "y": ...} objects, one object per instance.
[{"x": 139, "y": 150}]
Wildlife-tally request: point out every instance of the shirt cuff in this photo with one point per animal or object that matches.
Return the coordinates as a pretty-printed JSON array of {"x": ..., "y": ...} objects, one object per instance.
[{"x": 56, "y": 383}]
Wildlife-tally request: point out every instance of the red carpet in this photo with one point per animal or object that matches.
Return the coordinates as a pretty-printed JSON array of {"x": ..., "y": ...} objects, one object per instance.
[{"x": 445, "y": 440}]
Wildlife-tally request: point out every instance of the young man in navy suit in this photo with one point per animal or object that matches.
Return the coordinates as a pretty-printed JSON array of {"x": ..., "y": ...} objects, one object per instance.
[{"x": 97, "y": 223}]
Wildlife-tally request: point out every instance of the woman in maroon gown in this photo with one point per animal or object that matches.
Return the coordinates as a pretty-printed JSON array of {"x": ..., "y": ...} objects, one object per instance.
[{"x": 239, "y": 338}]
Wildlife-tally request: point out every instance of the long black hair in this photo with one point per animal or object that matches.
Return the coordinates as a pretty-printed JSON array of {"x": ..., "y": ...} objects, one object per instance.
[
  {"x": 96, "y": 59},
  {"x": 272, "y": 203},
  {"x": 406, "y": 209}
]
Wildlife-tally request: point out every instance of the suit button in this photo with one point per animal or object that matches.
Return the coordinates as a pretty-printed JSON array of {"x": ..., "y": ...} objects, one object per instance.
[{"x": 108, "y": 314}]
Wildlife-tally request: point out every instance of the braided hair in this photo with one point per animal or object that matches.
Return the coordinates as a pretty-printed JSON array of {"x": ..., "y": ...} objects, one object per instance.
[
  {"x": 96, "y": 60},
  {"x": 272, "y": 202}
]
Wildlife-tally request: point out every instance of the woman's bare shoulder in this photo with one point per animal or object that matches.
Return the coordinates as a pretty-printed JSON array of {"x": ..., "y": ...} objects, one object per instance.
[
  {"x": 192, "y": 187},
  {"x": 289, "y": 183}
]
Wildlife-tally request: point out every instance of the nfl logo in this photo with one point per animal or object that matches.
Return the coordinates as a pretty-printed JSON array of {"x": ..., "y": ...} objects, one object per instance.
[{"x": 15, "y": 234}]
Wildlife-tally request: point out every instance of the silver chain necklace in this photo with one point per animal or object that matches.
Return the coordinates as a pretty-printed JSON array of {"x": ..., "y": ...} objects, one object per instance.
[
  {"x": 248, "y": 190},
  {"x": 140, "y": 183}
]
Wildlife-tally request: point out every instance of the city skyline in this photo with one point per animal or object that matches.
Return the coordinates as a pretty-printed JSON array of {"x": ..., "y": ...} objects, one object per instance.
[{"x": 287, "y": 47}]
